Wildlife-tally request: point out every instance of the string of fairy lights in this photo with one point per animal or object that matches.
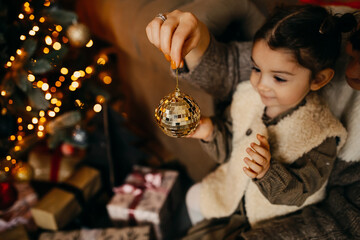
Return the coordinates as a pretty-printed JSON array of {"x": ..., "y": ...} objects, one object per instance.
[{"x": 51, "y": 88}]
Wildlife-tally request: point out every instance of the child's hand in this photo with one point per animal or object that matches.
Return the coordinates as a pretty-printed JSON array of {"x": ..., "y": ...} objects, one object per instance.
[
  {"x": 260, "y": 162},
  {"x": 204, "y": 130}
]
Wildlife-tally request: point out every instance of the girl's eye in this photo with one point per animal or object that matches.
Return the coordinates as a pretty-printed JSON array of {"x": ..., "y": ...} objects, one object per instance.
[
  {"x": 255, "y": 69},
  {"x": 279, "y": 79}
]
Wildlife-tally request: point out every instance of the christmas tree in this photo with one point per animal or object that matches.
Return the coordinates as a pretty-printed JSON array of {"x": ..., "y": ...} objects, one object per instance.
[{"x": 52, "y": 79}]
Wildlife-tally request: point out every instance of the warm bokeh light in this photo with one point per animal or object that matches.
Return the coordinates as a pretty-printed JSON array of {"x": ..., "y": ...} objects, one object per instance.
[
  {"x": 45, "y": 87},
  {"x": 58, "y": 28},
  {"x": 57, "y": 46},
  {"x": 97, "y": 108},
  {"x": 31, "y": 77},
  {"x": 34, "y": 120},
  {"x": 48, "y": 40},
  {"x": 90, "y": 43},
  {"x": 100, "y": 99},
  {"x": 89, "y": 70},
  {"x": 48, "y": 96},
  {"x": 51, "y": 113},
  {"x": 64, "y": 71},
  {"x": 107, "y": 79}
]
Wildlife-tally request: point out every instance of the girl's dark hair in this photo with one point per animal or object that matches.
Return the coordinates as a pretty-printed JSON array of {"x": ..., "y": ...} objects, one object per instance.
[
  {"x": 310, "y": 32},
  {"x": 355, "y": 40}
]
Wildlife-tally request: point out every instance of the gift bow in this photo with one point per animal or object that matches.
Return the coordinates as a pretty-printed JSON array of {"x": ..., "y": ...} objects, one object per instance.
[
  {"x": 139, "y": 181},
  {"x": 136, "y": 184}
]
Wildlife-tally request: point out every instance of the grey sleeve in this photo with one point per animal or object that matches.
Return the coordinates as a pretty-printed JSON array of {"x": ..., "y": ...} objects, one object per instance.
[
  {"x": 221, "y": 68},
  {"x": 220, "y": 146},
  {"x": 293, "y": 184}
]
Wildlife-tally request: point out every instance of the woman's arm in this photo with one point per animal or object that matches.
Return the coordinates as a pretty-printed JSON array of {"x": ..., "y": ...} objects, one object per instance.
[{"x": 213, "y": 66}]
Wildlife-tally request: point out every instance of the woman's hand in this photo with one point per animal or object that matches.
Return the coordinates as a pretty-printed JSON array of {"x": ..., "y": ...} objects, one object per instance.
[
  {"x": 180, "y": 35},
  {"x": 204, "y": 130},
  {"x": 260, "y": 162}
]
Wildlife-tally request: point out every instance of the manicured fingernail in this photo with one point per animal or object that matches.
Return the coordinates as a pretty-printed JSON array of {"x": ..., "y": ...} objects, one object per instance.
[
  {"x": 168, "y": 58},
  {"x": 181, "y": 64},
  {"x": 173, "y": 64}
]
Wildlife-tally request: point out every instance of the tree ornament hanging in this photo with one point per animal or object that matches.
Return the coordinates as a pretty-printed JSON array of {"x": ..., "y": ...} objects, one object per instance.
[
  {"x": 8, "y": 195},
  {"x": 79, "y": 136},
  {"x": 78, "y": 34},
  {"x": 22, "y": 172},
  {"x": 177, "y": 115}
]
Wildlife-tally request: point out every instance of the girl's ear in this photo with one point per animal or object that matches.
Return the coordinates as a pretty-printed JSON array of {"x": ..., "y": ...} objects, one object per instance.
[{"x": 321, "y": 79}]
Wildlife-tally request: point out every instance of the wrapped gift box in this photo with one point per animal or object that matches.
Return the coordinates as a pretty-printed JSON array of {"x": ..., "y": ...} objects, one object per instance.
[
  {"x": 64, "y": 202},
  {"x": 52, "y": 165},
  {"x": 17, "y": 233},
  {"x": 127, "y": 233},
  {"x": 19, "y": 212},
  {"x": 147, "y": 196}
]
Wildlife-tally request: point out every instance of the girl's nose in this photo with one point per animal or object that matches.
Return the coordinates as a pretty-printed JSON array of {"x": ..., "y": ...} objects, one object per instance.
[{"x": 263, "y": 84}]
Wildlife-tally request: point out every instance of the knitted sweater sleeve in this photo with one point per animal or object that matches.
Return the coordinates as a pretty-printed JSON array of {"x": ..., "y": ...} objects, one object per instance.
[
  {"x": 220, "y": 146},
  {"x": 337, "y": 217},
  {"x": 293, "y": 184},
  {"x": 221, "y": 68}
]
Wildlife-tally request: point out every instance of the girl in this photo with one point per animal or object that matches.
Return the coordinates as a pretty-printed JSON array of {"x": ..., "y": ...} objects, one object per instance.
[{"x": 293, "y": 56}]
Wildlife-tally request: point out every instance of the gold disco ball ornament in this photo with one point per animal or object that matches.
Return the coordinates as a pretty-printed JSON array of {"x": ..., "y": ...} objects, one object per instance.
[{"x": 177, "y": 115}]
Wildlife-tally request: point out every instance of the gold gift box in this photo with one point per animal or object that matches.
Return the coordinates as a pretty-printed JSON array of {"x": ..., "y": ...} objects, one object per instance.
[
  {"x": 41, "y": 160},
  {"x": 58, "y": 207}
]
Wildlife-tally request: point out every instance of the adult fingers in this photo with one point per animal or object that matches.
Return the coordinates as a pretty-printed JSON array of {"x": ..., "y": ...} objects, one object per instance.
[
  {"x": 185, "y": 38},
  {"x": 153, "y": 31}
]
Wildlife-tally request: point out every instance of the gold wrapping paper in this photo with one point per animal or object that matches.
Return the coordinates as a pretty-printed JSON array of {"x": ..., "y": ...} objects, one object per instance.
[{"x": 58, "y": 207}]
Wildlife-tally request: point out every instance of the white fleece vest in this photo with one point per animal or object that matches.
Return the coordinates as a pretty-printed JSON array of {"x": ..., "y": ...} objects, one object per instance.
[{"x": 294, "y": 135}]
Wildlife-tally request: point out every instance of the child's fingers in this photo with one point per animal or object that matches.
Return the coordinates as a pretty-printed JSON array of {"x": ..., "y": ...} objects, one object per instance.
[
  {"x": 262, "y": 151},
  {"x": 253, "y": 165},
  {"x": 263, "y": 141},
  {"x": 249, "y": 172},
  {"x": 256, "y": 157}
]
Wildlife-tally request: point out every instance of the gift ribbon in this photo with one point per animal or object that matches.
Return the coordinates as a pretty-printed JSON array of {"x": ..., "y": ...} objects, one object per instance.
[
  {"x": 55, "y": 165},
  {"x": 137, "y": 184}
]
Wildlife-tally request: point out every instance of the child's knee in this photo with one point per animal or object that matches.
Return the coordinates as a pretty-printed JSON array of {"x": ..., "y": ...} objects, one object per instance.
[{"x": 193, "y": 197}]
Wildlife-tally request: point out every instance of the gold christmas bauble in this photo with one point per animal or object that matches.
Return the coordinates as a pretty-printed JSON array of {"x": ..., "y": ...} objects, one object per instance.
[
  {"x": 22, "y": 172},
  {"x": 178, "y": 115},
  {"x": 78, "y": 34}
]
